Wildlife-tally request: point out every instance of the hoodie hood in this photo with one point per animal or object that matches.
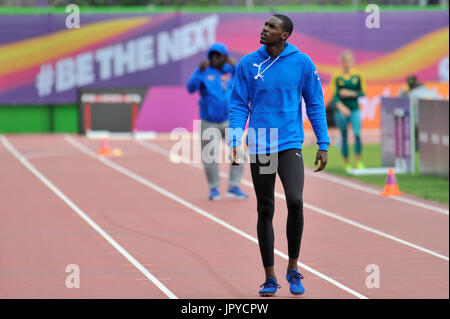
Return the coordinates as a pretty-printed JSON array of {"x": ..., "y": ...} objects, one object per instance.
[
  {"x": 217, "y": 47},
  {"x": 289, "y": 49}
]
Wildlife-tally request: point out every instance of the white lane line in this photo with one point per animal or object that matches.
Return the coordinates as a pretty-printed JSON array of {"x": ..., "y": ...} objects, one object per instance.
[
  {"x": 359, "y": 187},
  {"x": 249, "y": 183},
  {"x": 85, "y": 217},
  {"x": 200, "y": 211},
  {"x": 46, "y": 154}
]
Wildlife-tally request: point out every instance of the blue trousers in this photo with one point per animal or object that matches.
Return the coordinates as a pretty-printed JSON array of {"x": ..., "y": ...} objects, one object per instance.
[{"x": 342, "y": 122}]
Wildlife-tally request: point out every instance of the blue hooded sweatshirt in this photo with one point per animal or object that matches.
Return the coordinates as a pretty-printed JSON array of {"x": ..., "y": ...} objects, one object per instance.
[
  {"x": 270, "y": 90},
  {"x": 215, "y": 88}
]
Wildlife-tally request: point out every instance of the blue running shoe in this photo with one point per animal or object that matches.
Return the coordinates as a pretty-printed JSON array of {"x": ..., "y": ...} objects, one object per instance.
[
  {"x": 295, "y": 284},
  {"x": 269, "y": 288},
  {"x": 214, "y": 194},
  {"x": 235, "y": 192}
]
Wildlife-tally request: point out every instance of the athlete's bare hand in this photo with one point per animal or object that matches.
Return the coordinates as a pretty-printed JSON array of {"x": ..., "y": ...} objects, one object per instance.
[
  {"x": 345, "y": 111},
  {"x": 347, "y": 93},
  {"x": 231, "y": 61},
  {"x": 204, "y": 65},
  {"x": 322, "y": 157}
]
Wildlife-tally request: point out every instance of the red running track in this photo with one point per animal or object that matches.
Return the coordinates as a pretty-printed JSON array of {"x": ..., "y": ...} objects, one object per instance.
[{"x": 157, "y": 211}]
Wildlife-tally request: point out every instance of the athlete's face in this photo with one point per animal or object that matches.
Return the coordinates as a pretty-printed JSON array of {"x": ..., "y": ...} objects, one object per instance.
[
  {"x": 217, "y": 59},
  {"x": 347, "y": 61},
  {"x": 273, "y": 31}
]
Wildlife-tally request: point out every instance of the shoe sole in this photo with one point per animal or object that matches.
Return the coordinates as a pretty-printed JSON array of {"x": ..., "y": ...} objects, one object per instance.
[
  {"x": 214, "y": 198},
  {"x": 231, "y": 195},
  {"x": 267, "y": 294}
]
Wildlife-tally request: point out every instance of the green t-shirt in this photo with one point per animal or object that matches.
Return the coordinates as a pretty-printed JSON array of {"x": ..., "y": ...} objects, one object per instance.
[{"x": 350, "y": 81}]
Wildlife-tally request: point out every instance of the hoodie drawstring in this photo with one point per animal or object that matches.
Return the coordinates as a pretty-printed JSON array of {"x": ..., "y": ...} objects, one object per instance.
[{"x": 259, "y": 75}]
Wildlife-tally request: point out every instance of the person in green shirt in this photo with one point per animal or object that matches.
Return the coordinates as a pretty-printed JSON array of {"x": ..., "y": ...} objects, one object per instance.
[{"x": 346, "y": 87}]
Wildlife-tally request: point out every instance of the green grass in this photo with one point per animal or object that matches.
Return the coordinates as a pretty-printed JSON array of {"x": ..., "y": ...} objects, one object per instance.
[
  {"x": 428, "y": 187},
  {"x": 214, "y": 9}
]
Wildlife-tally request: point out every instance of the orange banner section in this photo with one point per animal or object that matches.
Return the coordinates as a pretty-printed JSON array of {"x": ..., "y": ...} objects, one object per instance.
[{"x": 370, "y": 105}]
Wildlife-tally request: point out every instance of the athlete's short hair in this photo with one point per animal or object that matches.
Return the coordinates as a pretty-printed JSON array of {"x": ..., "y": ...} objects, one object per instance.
[
  {"x": 288, "y": 26},
  {"x": 346, "y": 53}
]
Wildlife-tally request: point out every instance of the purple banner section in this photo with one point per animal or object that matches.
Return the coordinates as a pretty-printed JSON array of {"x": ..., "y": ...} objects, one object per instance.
[{"x": 45, "y": 58}]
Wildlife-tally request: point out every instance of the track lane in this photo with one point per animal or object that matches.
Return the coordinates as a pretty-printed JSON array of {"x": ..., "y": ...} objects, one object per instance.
[
  {"x": 372, "y": 248},
  {"x": 407, "y": 222},
  {"x": 193, "y": 256},
  {"x": 40, "y": 236}
]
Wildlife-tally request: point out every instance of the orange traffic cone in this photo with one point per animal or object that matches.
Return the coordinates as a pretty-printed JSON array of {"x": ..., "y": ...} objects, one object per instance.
[
  {"x": 391, "y": 187},
  {"x": 104, "y": 149}
]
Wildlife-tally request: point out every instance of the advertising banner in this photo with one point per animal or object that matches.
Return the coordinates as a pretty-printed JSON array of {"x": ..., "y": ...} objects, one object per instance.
[{"x": 44, "y": 62}]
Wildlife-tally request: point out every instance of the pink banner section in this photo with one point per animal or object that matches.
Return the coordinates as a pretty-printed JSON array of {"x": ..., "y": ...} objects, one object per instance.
[{"x": 167, "y": 107}]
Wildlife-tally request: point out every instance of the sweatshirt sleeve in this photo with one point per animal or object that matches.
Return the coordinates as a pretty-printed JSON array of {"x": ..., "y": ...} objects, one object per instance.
[
  {"x": 315, "y": 105},
  {"x": 195, "y": 81},
  {"x": 229, "y": 68},
  {"x": 238, "y": 109},
  {"x": 334, "y": 90},
  {"x": 362, "y": 86}
]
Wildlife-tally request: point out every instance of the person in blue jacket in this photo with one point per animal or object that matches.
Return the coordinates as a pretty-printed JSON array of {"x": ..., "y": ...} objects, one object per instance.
[
  {"x": 213, "y": 78},
  {"x": 268, "y": 87}
]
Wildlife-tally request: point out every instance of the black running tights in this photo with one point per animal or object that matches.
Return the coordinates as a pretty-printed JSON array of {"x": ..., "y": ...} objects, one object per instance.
[{"x": 289, "y": 165}]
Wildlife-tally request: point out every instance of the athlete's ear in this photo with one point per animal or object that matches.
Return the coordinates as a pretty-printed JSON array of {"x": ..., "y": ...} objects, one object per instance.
[{"x": 285, "y": 35}]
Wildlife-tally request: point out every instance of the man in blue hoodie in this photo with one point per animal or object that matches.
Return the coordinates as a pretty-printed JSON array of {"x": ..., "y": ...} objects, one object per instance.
[
  {"x": 268, "y": 87},
  {"x": 213, "y": 78}
]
